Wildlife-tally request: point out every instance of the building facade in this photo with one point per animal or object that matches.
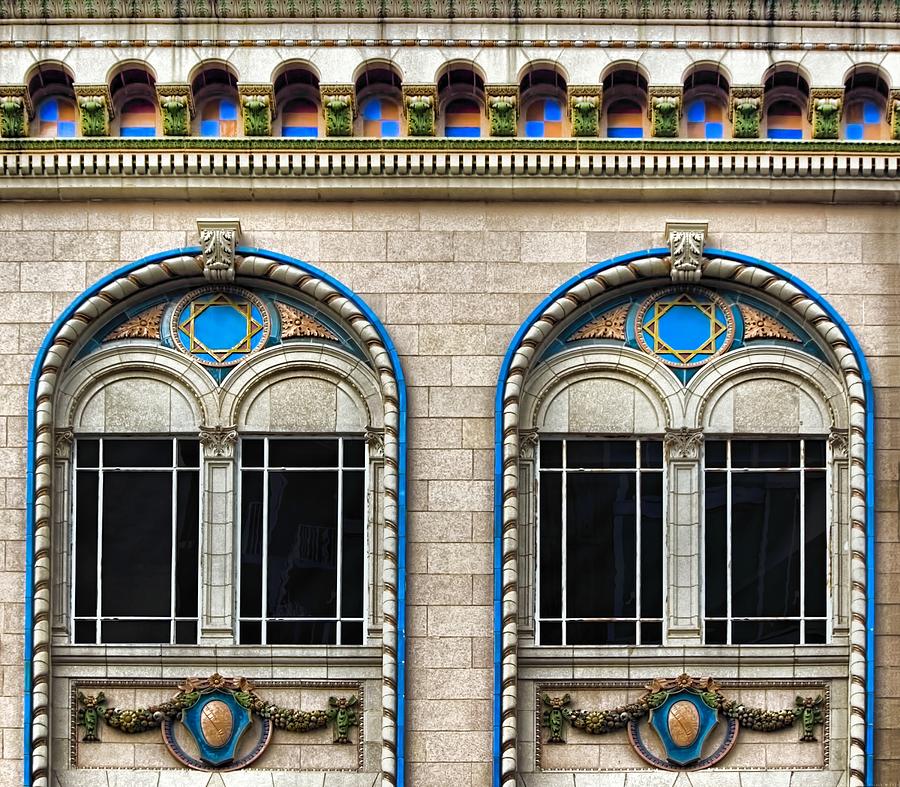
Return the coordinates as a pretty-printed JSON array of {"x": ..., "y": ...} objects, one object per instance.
[{"x": 442, "y": 393}]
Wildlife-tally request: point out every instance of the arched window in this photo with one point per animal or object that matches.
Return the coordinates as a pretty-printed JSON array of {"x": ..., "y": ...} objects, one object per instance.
[
  {"x": 785, "y": 99},
  {"x": 297, "y": 98},
  {"x": 543, "y": 94},
  {"x": 300, "y": 118},
  {"x": 133, "y": 90},
  {"x": 51, "y": 88},
  {"x": 227, "y": 471},
  {"x": 378, "y": 91},
  {"x": 865, "y": 101},
  {"x": 625, "y": 103},
  {"x": 215, "y": 95},
  {"x": 706, "y": 92},
  {"x": 677, "y": 470},
  {"x": 461, "y": 101},
  {"x": 138, "y": 118},
  {"x": 462, "y": 118},
  {"x": 381, "y": 117},
  {"x": 57, "y": 117}
]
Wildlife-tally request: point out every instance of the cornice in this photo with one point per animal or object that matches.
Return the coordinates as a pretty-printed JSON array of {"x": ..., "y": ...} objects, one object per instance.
[
  {"x": 423, "y": 168},
  {"x": 708, "y": 44},
  {"x": 859, "y": 12}
]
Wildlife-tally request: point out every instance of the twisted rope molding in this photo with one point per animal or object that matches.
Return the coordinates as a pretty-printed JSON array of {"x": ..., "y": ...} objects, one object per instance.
[
  {"x": 525, "y": 348},
  {"x": 52, "y": 361}
]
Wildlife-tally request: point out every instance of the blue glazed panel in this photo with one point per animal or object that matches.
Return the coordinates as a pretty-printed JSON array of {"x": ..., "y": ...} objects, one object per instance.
[
  {"x": 463, "y": 131},
  {"x": 300, "y": 131},
  {"x": 625, "y": 133},
  {"x": 696, "y": 111},
  {"x": 871, "y": 113},
  {"x": 390, "y": 128},
  {"x": 552, "y": 110},
  {"x": 534, "y": 128},
  {"x": 785, "y": 133},
  {"x": 715, "y": 131},
  {"x": 227, "y": 110},
  {"x": 138, "y": 131}
]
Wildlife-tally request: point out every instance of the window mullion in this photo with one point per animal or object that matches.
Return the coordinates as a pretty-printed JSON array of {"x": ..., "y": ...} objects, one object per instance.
[
  {"x": 100, "y": 506},
  {"x": 728, "y": 572},
  {"x": 564, "y": 545},
  {"x": 264, "y": 606},
  {"x": 173, "y": 527},
  {"x": 340, "y": 541}
]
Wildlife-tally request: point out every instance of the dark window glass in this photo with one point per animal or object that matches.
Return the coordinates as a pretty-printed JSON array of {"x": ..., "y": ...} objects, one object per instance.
[
  {"x": 188, "y": 453},
  {"x": 651, "y": 454},
  {"x": 303, "y": 453},
  {"x": 551, "y": 546},
  {"x": 137, "y": 546},
  {"x": 186, "y": 632},
  {"x": 816, "y": 563},
  {"x": 551, "y": 633},
  {"x": 765, "y": 453},
  {"x": 354, "y": 453},
  {"x": 85, "y": 632},
  {"x": 651, "y": 545},
  {"x": 551, "y": 453},
  {"x": 251, "y": 632},
  {"x": 302, "y": 548},
  {"x": 88, "y": 453},
  {"x": 86, "y": 557},
  {"x": 600, "y": 453},
  {"x": 187, "y": 544},
  {"x": 765, "y": 553},
  {"x": 815, "y": 632},
  {"x": 716, "y": 558},
  {"x": 651, "y": 633},
  {"x": 596, "y": 633},
  {"x": 137, "y": 453},
  {"x": 351, "y": 633},
  {"x": 135, "y": 632},
  {"x": 600, "y": 545},
  {"x": 252, "y": 453},
  {"x": 319, "y": 632},
  {"x": 716, "y": 632},
  {"x": 715, "y": 451},
  {"x": 251, "y": 543},
  {"x": 765, "y": 632},
  {"x": 352, "y": 548},
  {"x": 815, "y": 453}
]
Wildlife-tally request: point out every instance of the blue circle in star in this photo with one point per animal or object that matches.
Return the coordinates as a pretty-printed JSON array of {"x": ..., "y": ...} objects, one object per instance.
[
  {"x": 220, "y": 326},
  {"x": 685, "y": 327}
]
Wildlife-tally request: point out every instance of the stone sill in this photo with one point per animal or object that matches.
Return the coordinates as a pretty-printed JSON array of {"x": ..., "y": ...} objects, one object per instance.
[
  {"x": 213, "y": 655},
  {"x": 649, "y": 171},
  {"x": 686, "y": 656}
]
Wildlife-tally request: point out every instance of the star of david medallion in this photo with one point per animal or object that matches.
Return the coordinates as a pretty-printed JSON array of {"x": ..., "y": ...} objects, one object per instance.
[
  {"x": 220, "y": 326},
  {"x": 685, "y": 327}
]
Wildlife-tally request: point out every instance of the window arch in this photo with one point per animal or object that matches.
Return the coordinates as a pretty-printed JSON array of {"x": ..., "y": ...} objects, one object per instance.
[
  {"x": 378, "y": 91},
  {"x": 543, "y": 91},
  {"x": 461, "y": 101},
  {"x": 214, "y": 87},
  {"x": 51, "y": 88},
  {"x": 706, "y": 92},
  {"x": 601, "y": 364},
  {"x": 865, "y": 105},
  {"x": 624, "y": 103},
  {"x": 147, "y": 394},
  {"x": 297, "y": 99},
  {"x": 785, "y": 101},
  {"x": 133, "y": 90}
]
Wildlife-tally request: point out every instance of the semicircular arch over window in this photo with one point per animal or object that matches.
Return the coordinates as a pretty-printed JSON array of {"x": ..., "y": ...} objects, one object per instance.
[
  {"x": 680, "y": 433},
  {"x": 230, "y": 423}
]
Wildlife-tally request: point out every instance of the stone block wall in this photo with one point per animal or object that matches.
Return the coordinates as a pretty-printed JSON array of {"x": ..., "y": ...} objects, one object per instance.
[{"x": 452, "y": 282}]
